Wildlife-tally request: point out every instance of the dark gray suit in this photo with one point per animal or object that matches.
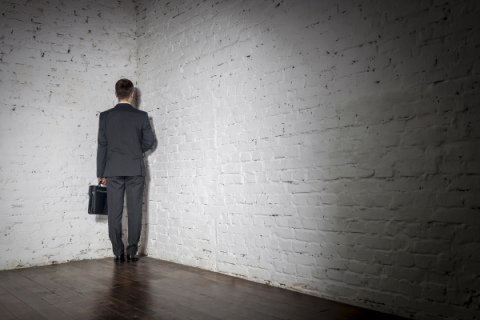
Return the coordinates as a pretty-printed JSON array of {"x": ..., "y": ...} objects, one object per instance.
[{"x": 124, "y": 134}]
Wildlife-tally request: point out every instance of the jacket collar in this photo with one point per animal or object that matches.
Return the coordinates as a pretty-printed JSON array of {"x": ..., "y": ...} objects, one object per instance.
[{"x": 123, "y": 105}]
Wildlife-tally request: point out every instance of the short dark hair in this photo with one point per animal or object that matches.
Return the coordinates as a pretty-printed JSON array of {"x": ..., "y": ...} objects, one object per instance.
[{"x": 124, "y": 88}]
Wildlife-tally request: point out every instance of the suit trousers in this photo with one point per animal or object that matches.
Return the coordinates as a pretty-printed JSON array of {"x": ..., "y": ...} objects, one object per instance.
[{"x": 116, "y": 189}]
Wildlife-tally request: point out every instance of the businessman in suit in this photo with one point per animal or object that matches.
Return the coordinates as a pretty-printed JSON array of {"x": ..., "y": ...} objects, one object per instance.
[{"x": 124, "y": 134}]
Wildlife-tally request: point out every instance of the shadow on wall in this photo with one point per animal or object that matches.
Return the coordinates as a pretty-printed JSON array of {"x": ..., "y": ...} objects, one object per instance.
[
  {"x": 385, "y": 151},
  {"x": 145, "y": 214},
  {"x": 137, "y": 98},
  {"x": 397, "y": 202},
  {"x": 394, "y": 200}
]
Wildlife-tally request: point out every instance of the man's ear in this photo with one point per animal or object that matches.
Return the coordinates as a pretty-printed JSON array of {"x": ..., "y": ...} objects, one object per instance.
[{"x": 116, "y": 95}]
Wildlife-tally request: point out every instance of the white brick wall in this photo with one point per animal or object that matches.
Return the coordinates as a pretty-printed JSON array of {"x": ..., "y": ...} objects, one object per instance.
[
  {"x": 329, "y": 147},
  {"x": 59, "y": 61}
]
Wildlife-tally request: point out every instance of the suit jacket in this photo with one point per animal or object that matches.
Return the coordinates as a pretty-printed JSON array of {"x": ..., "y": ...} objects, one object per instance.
[{"x": 124, "y": 134}]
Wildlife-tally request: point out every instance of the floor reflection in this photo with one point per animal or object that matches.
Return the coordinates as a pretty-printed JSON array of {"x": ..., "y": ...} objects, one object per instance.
[{"x": 128, "y": 289}]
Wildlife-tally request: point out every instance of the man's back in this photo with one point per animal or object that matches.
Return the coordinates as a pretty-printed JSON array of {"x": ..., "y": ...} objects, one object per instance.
[{"x": 124, "y": 134}]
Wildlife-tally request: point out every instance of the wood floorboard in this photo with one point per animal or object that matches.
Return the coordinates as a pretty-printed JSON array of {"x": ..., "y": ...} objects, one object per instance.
[
  {"x": 30, "y": 293},
  {"x": 143, "y": 284},
  {"x": 155, "y": 289},
  {"x": 5, "y": 314},
  {"x": 2, "y": 290},
  {"x": 237, "y": 303},
  {"x": 74, "y": 304},
  {"x": 260, "y": 297},
  {"x": 128, "y": 289},
  {"x": 186, "y": 295},
  {"x": 249, "y": 304},
  {"x": 17, "y": 308},
  {"x": 170, "y": 302},
  {"x": 48, "y": 281},
  {"x": 276, "y": 301},
  {"x": 117, "y": 277},
  {"x": 208, "y": 308}
]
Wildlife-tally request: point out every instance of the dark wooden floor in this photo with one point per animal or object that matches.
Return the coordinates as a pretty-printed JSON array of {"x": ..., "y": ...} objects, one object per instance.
[{"x": 154, "y": 289}]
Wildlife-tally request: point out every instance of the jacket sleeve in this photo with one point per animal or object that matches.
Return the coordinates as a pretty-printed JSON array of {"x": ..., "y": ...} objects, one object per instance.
[
  {"x": 148, "y": 138},
  {"x": 102, "y": 147}
]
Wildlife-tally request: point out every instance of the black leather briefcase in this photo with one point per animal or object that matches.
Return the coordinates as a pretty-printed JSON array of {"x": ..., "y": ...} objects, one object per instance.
[{"x": 97, "y": 204}]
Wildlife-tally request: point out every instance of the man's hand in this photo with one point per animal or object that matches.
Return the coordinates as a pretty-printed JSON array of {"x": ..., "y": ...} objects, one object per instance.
[{"x": 102, "y": 180}]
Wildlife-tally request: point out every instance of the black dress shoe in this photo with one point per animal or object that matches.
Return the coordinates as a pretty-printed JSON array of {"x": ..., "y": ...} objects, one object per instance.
[
  {"x": 120, "y": 258},
  {"x": 132, "y": 258}
]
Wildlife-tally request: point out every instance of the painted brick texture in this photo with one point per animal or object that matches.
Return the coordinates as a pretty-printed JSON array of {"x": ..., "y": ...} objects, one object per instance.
[
  {"x": 328, "y": 147},
  {"x": 59, "y": 61}
]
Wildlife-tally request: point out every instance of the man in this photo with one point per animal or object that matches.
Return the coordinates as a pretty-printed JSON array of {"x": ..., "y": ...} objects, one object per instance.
[{"x": 124, "y": 134}]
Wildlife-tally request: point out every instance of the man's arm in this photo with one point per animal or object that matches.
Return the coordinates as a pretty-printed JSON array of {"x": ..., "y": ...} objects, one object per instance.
[
  {"x": 101, "y": 148},
  {"x": 148, "y": 138}
]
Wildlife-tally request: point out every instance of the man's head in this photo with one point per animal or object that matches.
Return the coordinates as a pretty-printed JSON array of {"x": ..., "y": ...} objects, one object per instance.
[{"x": 124, "y": 89}]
